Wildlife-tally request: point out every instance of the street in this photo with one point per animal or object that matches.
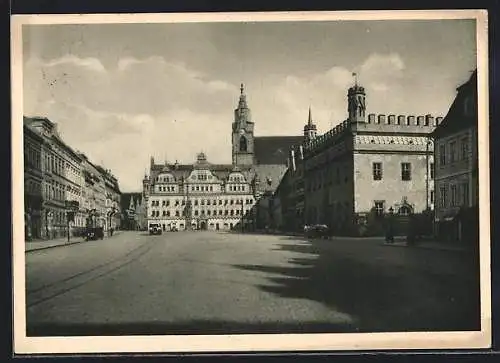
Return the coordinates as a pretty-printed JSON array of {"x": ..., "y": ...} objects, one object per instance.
[{"x": 220, "y": 283}]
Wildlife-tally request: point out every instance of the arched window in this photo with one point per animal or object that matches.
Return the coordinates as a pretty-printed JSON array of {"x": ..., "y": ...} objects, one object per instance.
[
  {"x": 243, "y": 144},
  {"x": 405, "y": 210}
]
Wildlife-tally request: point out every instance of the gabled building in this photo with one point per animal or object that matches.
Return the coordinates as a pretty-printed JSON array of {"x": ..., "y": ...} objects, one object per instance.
[
  {"x": 456, "y": 171},
  {"x": 241, "y": 190}
]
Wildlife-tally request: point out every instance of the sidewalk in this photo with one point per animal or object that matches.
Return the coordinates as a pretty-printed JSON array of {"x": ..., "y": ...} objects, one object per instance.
[{"x": 56, "y": 242}]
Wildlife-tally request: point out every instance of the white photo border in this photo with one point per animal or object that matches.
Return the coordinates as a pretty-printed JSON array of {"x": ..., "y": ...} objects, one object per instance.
[{"x": 247, "y": 342}]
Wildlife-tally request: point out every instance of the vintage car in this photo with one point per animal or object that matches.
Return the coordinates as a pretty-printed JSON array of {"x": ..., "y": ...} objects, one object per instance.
[
  {"x": 317, "y": 231},
  {"x": 94, "y": 233},
  {"x": 154, "y": 228}
]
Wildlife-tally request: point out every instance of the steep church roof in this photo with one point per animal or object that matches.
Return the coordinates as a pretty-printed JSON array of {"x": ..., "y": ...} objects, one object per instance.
[{"x": 274, "y": 150}]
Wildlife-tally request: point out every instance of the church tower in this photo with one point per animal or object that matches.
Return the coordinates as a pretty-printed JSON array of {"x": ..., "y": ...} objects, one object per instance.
[
  {"x": 242, "y": 133},
  {"x": 356, "y": 102},
  {"x": 310, "y": 130}
]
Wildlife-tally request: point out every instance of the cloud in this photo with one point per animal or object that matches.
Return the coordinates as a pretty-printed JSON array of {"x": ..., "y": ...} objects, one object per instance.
[
  {"x": 382, "y": 62},
  {"x": 326, "y": 93},
  {"x": 122, "y": 115},
  {"x": 93, "y": 64}
]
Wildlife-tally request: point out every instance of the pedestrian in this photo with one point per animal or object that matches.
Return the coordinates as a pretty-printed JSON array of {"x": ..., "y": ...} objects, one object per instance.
[{"x": 389, "y": 234}]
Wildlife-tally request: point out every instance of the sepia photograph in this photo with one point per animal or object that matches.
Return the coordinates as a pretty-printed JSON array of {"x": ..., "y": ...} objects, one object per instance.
[{"x": 250, "y": 182}]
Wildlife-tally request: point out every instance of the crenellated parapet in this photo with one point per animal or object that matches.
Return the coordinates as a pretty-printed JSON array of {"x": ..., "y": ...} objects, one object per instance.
[
  {"x": 390, "y": 124},
  {"x": 328, "y": 137},
  {"x": 404, "y": 122}
]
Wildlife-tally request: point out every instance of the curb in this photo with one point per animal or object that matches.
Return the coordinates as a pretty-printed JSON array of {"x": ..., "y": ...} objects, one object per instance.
[
  {"x": 60, "y": 245},
  {"x": 54, "y": 246}
]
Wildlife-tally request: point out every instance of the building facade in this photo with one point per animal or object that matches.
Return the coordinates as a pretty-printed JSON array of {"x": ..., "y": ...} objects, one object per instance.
[
  {"x": 363, "y": 168},
  {"x": 112, "y": 201},
  {"x": 94, "y": 197},
  {"x": 33, "y": 179},
  {"x": 199, "y": 196},
  {"x": 456, "y": 150},
  {"x": 59, "y": 180}
]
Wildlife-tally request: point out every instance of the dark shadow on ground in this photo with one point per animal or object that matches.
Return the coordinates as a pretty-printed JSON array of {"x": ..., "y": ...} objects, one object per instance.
[
  {"x": 187, "y": 328},
  {"x": 383, "y": 288}
]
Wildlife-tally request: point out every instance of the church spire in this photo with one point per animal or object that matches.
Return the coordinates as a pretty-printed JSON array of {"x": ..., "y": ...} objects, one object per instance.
[
  {"x": 243, "y": 98},
  {"x": 310, "y": 130}
]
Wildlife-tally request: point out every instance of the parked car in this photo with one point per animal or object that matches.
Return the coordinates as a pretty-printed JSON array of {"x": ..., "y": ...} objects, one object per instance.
[
  {"x": 154, "y": 228},
  {"x": 317, "y": 231},
  {"x": 94, "y": 233}
]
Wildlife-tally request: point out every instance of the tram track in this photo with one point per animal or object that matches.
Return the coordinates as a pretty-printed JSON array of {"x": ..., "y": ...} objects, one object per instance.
[{"x": 54, "y": 289}]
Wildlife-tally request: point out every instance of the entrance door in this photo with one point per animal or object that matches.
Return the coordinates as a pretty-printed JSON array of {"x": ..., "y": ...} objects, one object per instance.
[{"x": 203, "y": 225}]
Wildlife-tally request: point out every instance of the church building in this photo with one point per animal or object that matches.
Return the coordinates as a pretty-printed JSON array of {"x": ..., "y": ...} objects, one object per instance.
[{"x": 203, "y": 195}]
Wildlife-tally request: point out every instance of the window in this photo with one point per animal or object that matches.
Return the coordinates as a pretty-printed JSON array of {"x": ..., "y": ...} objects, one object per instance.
[
  {"x": 405, "y": 171},
  {"x": 177, "y": 213},
  {"x": 379, "y": 207},
  {"x": 442, "y": 155},
  {"x": 465, "y": 149},
  {"x": 431, "y": 167},
  {"x": 453, "y": 150},
  {"x": 243, "y": 144},
  {"x": 465, "y": 194},
  {"x": 220, "y": 201},
  {"x": 453, "y": 195},
  {"x": 432, "y": 196},
  {"x": 377, "y": 171},
  {"x": 443, "y": 194}
]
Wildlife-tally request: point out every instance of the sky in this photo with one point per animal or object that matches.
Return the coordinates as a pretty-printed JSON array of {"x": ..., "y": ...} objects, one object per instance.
[{"x": 121, "y": 93}]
